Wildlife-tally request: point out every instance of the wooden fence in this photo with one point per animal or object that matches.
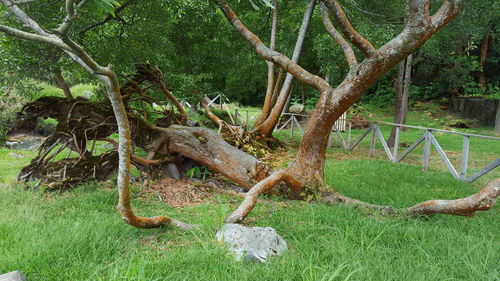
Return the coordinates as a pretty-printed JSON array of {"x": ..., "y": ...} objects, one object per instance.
[{"x": 428, "y": 139}]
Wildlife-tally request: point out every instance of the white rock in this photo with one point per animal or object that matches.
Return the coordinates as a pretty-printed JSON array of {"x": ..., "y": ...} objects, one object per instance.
[
  {"x": 296, "y": 108},
  {"x": 13, "y": 276},
  {"x": 252, "y": 243}
]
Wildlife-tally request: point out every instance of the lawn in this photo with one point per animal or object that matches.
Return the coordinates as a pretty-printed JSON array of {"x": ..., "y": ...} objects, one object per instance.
[{"x": 79, "y": 235}]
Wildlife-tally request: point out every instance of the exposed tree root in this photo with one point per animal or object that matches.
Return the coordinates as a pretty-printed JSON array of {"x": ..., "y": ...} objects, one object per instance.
[{"x": 468, "y": 206}]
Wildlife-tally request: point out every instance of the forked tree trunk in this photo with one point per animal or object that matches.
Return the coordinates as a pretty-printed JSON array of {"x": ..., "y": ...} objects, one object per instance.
[
  {"x": 401, "y": 91},
  {"x": 266, "y": 128},
  {"x": 61, "y": 83},
  {"x": 483, "y": 52}
]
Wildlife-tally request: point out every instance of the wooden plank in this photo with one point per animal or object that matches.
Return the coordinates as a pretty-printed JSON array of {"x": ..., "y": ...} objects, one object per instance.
[
  {"x": 427, "y": 151},
  {"x": 283, "y": 126},
  {"x": 444, "y": 157},
  {"x": 212, "y": 101},
  {"x": 465, "y": 158},
  {"x": 298, "y": 125},
  {"x": 384, "y": 144},
  {"x": 417, "y": 142},
  {"x": 373, "y": 141},
  {"x": 396, "y": 145},
  {"x": 485, "y": 170},
  {"x": 363, "y": 135},
  {"x": 342, "y": 140}
]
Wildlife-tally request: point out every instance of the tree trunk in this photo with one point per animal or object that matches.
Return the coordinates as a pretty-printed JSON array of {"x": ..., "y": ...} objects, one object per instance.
[
  {"x": 483, "y": 52},
  {"x": 497, "y": 118},
  {"x": 266, "y": 128},
  {"x": 401, "y": 91},
  {"x": 266, "y": 109},
  {"x": 61, "y": 83}
]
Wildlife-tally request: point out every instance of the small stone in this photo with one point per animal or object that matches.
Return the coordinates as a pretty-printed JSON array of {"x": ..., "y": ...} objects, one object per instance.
[
  {"x": 24, "y": 143},
  {"x": 173, "y": 171},
  {"x": 252, "y": 243},
  {"x": 296, "y": 108},
  {"x": 15, "y": 155},
  {"x": 13, "y": 276}
]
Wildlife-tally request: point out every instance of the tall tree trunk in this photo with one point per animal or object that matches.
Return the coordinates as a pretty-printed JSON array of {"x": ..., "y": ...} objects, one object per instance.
[
  {"x": 266, "y": 128},
  {"x": 61, "y": 83},
  {"x": 483, "y": 52},
  {"x": 401, "y": 91},
  {"x": 266, "y": 109},
  {"x": 277, "y": 87},
  {"x": 497, "y": 119}
]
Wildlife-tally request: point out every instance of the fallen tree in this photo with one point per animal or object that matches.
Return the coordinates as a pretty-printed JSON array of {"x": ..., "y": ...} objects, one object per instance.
[{"x": 303, "y": 178}]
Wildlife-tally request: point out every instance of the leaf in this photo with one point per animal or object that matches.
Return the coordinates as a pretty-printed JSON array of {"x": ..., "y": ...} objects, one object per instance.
[
  {"x": 268, "y": 3},
  {"x": 254, "y": 6}
]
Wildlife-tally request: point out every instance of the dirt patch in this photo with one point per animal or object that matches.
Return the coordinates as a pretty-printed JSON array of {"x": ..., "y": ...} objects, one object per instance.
[{"x": 181, "y": 193}]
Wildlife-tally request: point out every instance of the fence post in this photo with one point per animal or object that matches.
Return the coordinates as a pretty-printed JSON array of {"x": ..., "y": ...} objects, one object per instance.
[
  {"x": 396, "y": 146},
  {"x": 465, "y": 158},
  {"x": 349, "y": 135},
  {"x": 291, "y": 124},
  {"x": 427, "y": 151},
  {"x": 373, "y": 141}
]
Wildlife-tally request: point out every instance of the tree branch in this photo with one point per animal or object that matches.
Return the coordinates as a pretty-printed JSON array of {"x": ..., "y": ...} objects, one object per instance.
[
  {"x": 283, "y": 61},
  {"x": 332, "y": 31},
  {"x": 33, "y": 37},
  {"x": 445, "y": 13},
  {"x": 418, "y": 13},
  {"x": 24, "y": 19},
  {"x": 349, "y": 32}
]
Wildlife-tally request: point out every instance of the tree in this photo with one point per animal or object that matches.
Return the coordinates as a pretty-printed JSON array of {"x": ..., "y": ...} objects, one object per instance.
[
  {"x": 304, "y": 176},
  {"x": 401, "y": 90}
]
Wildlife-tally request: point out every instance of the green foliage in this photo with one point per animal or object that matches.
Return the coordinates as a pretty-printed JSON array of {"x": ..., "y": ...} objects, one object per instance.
[
  {"x": 13, "y": 95},
  {"x": 199, "y": 172}
]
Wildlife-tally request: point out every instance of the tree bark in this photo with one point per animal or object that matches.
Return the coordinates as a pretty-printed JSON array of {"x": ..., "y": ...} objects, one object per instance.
[
  {"x": 266, "y": 128},
  {"x": 268, "y": 104},
  {"x": 401, "y": 91},
  {"x": 61, "y": 83},
  {"x": 483, "y": 52},
  {"x": 497, "y": 118}
]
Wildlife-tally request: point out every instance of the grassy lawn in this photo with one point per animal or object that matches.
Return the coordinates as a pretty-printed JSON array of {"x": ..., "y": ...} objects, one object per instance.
[{"x": 79, "y": 235}]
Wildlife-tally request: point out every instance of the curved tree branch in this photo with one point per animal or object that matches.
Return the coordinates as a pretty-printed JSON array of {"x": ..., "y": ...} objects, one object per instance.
[
  {"x": 349, "y": 32},
  {"x": 332, "y": 31}
]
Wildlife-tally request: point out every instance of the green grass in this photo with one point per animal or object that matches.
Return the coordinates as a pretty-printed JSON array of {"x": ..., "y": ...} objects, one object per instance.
[{"x": 79, "y": 235}]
